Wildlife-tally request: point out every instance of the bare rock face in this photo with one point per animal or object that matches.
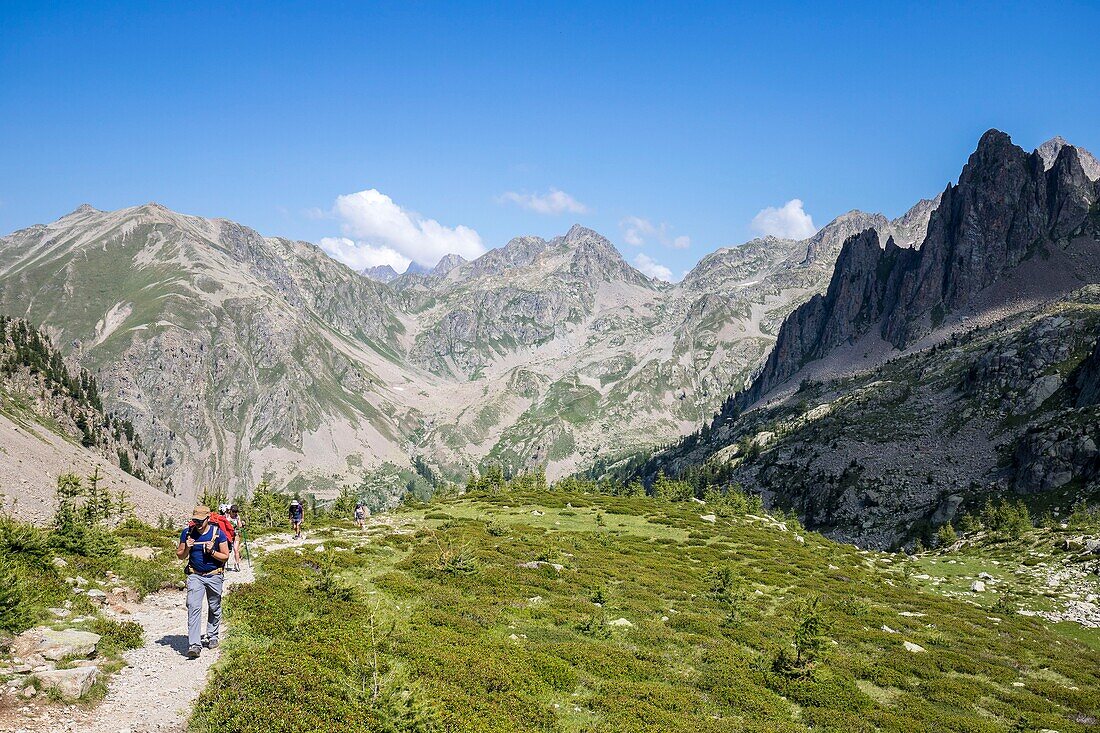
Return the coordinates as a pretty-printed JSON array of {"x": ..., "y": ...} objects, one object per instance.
[
  {"x": 1087, "y": 379},
  {"x": 1007, "y": 209},
  {"x": 1050, "y": 150},
  {"x": 858, "y": 297},
  {"x": 1052, "y": 457}
]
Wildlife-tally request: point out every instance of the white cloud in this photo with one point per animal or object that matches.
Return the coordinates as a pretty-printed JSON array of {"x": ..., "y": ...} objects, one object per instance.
[
  {"x": 551, "y": 203},
  {"x": 379, "y": 231},
  {"x": 789, "y": 221},
  {"x": 360, "y": 256},
  {"x": 650, "y": 267},
  {"x": 637, "y": 231}
]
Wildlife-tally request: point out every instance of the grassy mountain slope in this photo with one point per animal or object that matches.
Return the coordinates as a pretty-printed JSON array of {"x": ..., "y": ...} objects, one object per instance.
[
  {"x": 530, "y": 610},
  {"x": 235, "y": 355}
]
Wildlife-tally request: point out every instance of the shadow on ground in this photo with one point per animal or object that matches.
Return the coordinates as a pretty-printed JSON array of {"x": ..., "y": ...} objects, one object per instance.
[{"x": 178, "y": 642}]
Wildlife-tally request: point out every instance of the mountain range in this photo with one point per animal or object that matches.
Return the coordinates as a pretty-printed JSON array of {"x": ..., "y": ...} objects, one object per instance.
[{"x": 242, "y": 357}]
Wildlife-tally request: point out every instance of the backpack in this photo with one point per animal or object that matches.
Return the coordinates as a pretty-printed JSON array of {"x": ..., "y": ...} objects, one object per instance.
[{"x": 222, "y": 523}]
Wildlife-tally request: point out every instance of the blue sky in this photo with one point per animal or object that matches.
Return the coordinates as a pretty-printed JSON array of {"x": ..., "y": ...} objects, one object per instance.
[{"x": 408, "y": 128}]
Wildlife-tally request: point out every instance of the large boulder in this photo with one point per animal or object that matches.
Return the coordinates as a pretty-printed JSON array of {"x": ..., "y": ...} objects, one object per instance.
[
  {"x": 141, "y": 553},
  {"x": 71, "y": 683},
  {"x": 57, "y": 645}
]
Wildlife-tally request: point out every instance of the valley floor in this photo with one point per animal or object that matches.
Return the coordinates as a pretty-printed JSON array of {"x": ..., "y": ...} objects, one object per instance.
[
  {"x": 547, "y": 611},
  {"x": 555, "y": 612}
]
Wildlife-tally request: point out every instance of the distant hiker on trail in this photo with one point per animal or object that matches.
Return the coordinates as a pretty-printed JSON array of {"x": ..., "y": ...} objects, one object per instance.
[
  {"x": 206, "y": 548},
  {"x": 361, "y": 515},
  {"x": 237, "y": 521},
  {"x": 297, "y": 512}
]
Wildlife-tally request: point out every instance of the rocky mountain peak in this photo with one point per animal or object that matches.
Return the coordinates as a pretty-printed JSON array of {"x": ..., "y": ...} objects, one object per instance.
[
  {"x": 594, "y": 259},
  {"x": 578, "y": 235},
  {"x": 448, "y": 263},
  {"x": 825, "y": 243},
  {"x": 380, "y": 273},
  {"x": 1050, "y": 150},
  {"x": 1007, "y": 209},
  {"x": 518, "y": 252}
]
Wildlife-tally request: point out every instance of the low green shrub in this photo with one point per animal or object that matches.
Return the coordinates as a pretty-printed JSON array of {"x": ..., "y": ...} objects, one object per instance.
[
  {"x": 121, "y": 634},
  {"x": 456, "y": 560},
  {"x": 506, "y": 648},
  {"x": 16, "y": 608}
]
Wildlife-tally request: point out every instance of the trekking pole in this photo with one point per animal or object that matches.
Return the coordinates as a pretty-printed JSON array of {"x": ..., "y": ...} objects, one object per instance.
[{"x": 247, "y": 556}]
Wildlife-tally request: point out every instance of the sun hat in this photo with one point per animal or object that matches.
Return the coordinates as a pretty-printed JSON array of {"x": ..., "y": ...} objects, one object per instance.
[
  {"x": 201, "y": 512},
  {"x": 223, "y": 508},
  {"x": 294, "y": 503}
]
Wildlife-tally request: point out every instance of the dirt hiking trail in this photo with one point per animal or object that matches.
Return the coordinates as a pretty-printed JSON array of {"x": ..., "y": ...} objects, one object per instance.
[{"x": 157, "y": 690}]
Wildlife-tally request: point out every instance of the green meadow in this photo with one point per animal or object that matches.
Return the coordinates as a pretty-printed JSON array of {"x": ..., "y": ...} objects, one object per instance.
[{"x": 547, "y": 611}]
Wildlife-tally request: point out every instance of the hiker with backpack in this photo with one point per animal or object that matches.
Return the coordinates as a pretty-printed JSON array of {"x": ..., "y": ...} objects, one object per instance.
[
  {"x": 206, "y": 548},
  {"x": 297, "y": 513},
  {"x": 221, "y": 518},
  {"x": 361, "y": 515},
  {"x": 237, "y": 521}
]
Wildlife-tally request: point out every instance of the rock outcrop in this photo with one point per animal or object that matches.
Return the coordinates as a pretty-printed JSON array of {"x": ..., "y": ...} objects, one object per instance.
[
  {"x": 1087, "y": 379},
  {"x": 56, "y": 645},
  {"x": 72, "y": 684},
  {"x": 1007, "y": 210}
]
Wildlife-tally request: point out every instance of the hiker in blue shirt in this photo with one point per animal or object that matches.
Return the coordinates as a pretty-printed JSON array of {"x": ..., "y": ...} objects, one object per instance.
[
  {"x": 206, "y": 548},
  {"x": 297, "y": 513}
]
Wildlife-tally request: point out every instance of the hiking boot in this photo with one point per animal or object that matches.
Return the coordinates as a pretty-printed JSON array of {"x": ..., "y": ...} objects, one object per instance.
[
  {"x": 194, "y": 651},
  {"x": 212, "y": 644},
  {"x": 204, "y": 639}
]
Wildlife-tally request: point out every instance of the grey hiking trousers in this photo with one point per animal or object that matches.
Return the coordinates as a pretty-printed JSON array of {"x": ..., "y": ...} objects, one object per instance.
[{"x": 198, "y": 587}]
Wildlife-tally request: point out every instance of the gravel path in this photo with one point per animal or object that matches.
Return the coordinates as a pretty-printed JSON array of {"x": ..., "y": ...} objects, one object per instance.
[
  {"x": 157, "y": 689},
  {"x": 154, "y": 693}
]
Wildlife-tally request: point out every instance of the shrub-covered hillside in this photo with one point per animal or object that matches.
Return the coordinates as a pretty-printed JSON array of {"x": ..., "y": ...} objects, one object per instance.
[
  {"x": 534, "y": 610},
  {"x": 37, "y": 384},
  {"x": 888, "y": 456}
]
